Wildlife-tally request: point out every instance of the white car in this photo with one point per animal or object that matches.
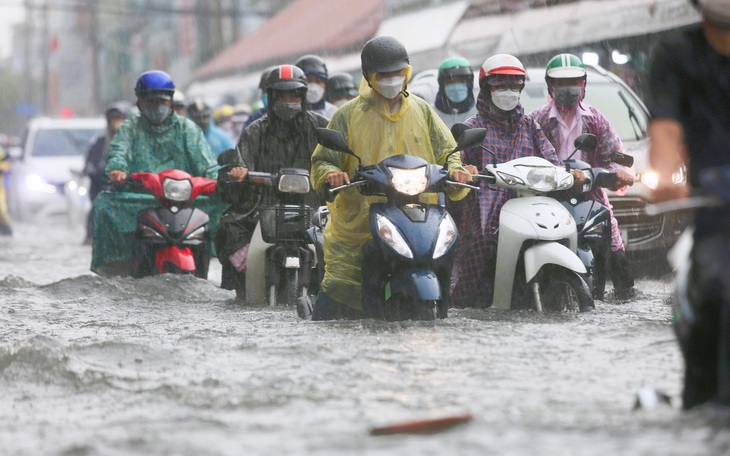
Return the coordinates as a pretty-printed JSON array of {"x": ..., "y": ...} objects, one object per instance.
[{"x": 41, "y": 169}]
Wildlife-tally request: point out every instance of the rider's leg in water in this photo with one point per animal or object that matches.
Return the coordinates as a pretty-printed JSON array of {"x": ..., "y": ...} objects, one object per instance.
[
  {"x": 621, "y": 275},
  {"x": 373, "y": 277},
  {"x": 326, "y": 308},
  {"x": 231, "y": 279},
  {"x": 699, "y": 344}
]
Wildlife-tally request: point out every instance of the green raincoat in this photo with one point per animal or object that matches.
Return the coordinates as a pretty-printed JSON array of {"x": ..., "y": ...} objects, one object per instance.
[
  {"x": 138, "y": 147},
  {"x": 373, "y": 134}
]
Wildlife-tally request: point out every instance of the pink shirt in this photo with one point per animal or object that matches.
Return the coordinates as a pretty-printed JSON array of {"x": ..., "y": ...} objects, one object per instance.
[{"x": 568, "y": 133}]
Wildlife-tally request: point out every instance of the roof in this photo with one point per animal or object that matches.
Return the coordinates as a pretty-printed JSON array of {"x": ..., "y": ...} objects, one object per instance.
[{"x": 303, "y": 27}]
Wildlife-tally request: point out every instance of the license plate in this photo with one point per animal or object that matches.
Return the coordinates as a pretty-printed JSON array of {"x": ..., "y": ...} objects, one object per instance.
[{"x": 292, "y": 263}]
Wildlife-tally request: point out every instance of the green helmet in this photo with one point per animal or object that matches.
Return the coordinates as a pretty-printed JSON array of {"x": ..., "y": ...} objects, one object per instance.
[
  {"x": 454, "y": 66},
  {"x": 564, "y": 66}
]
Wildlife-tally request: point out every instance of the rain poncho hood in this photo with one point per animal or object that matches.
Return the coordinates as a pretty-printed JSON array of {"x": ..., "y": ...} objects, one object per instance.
[{"x": 373, "y": 133}]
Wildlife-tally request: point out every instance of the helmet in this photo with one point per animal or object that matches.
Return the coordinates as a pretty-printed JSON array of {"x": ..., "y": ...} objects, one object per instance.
[
  {"x": 117, "y": 109},
  {"x": 716, "y": 11},
  {"x": 264, "y": 77},
  {"x": 178, "y": 99},
  {"x": 286, "y": 77},
  {"x": 455, "y": 66},
  {"x": 564, "y": 66},
  {"x": 504, "y": 64},
  {"x": 241, "y": 108},
  {"x": 340, "y": 84},
  {"x": 155, "y": 82},
  {"x": 223, "y": 112},
  {"x": 198, "y": 109},
  {"x": 383, "y": 54},
  {"x": 312, "y": 64}
]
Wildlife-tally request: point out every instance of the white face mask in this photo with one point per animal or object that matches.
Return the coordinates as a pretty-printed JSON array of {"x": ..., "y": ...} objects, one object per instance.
[
  {"x": 506, "y": 100},
  {"x": 390, "y": 87},
  {"x": 315, "y": 92}
]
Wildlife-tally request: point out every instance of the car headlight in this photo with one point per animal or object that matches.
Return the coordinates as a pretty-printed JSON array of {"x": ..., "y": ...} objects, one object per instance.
[
  {"x": 294, "y": 183},
  {"x": 409, "y": 181},
  {"x": 197, "y": 234},
  {"x": 446, "y": 237},
  {"x": 177, "y": 190},
  {"x": 390, "y": 234},
  {"x": 651, "y": 179},
  {"x": 37, "y": 183}
]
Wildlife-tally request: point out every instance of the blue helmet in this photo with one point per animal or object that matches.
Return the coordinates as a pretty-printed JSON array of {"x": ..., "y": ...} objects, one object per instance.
[{"x": 154, "y": 81}]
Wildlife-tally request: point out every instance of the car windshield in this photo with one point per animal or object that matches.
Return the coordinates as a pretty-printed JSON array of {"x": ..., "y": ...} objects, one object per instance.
[
  {"x": 59, "y": 142},
  {"x": 610, "y": 99}
]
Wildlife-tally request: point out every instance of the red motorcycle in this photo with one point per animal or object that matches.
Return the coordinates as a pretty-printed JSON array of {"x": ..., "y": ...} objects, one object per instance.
[{"x": 172, "y": 237}]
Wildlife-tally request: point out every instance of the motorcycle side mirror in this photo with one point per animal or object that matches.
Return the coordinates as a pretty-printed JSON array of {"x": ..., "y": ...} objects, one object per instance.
[
  {"x": 457, "y": 129},
  {"x": 467, "y": 137},
  {"x": 586, "y": 142},
  {"x": 335, "y": 140},
  {"x": 227, "y": 157},
  {"x": 622, "y": 159}
]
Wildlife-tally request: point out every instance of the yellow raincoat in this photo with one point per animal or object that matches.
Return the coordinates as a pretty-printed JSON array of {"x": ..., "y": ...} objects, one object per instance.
[
  {"x": 373, "y": 134},
  {"x": 4, "y": 217}
]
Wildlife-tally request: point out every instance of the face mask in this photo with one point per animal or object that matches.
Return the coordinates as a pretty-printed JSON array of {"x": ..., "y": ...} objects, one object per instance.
[
  {"x": 506, "y": 100},
  {"x": 265, "y": 100},
  {"x": 287, "y": 111},
  {"x": 567, "y": 97},
  {"x": 156, "y": 113},
  {"x": 315, "y": 92},
  {"x": 456, "y": 92},
  {"x": 390, "y": 87},
  {"x": 717, "y": 12}
]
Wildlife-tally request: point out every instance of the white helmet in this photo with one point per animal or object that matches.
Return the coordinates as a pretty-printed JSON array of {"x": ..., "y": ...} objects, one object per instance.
[{"x": 178, "y": 98}]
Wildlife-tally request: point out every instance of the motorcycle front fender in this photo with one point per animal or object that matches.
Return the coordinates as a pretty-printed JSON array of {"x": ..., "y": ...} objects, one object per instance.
[
  {"x": 182, "y": 258},
  {"x": 421, "y": 284},
  {"x": 544, "y": 253}
]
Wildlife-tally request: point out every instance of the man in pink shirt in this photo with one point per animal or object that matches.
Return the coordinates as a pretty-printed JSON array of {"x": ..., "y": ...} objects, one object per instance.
[{"x": 563, "y": 119}]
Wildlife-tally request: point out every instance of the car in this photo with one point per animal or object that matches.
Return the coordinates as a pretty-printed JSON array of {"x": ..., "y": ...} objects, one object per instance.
[
  {"x": 646, "y": 237},
  {"x": 50, "y": 158}
]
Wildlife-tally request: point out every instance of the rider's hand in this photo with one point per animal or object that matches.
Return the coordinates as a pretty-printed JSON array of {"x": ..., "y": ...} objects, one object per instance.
[
  {"x": 462, "y": 177},
  {"x": 579, "y": 179},
  {"x": 117, "y": 177},
  {"x": 338, "y": 179},
  {"x": 667, "y": 190},
  {"x": 473, "y": 170},
  {"x": 622, "y": 180},
  {"x": 238, "y": 173}
]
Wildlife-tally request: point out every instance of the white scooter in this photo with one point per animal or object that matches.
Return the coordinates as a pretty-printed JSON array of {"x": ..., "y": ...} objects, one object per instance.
[{"x": 537, "y": 262}]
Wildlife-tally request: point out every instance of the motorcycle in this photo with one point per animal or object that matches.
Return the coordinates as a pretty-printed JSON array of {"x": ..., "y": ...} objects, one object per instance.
[
  {"x": 413, "y": 241},
  {"x": 280, "y": 242},
  {"x": 593, "y": 219},
  {"x": 171, "y": 237},
  {"x": 537, "y": 251}
]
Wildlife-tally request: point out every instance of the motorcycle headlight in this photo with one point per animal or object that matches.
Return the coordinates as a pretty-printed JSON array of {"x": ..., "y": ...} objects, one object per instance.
[
  {"x": 177, "y": 190},
  {"x": 545, "y": 179},
  {"x": 409, "y": 181},
  {"x": 148, "y": 232},
  {"x": 197, "y": 234},
  {"x": 38, "y": 184},
  {"x": 597, "y": 228},
  {"x": 446, "y": 237},
  {"x": 510, "y": 179},
  {"x": 294, "y": 183},
  {"x": 390, "y": 234}
]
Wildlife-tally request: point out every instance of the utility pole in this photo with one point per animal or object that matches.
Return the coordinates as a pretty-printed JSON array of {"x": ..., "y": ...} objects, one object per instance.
[
  {"x": 27, "y": 50},
  {"x": 95, "y": 56},
  {"x": 46, "y": 54}
]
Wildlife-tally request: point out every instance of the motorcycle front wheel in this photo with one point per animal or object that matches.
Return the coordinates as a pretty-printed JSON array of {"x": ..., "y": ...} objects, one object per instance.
[
  {"x": 564, "y": 290},
  {"x": 399, "y": 309},
  {"x": 289, "y": 289}
]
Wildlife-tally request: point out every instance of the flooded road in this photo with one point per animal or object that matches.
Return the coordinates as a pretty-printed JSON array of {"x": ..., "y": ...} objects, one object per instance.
[{"x": 171, "y": 365}]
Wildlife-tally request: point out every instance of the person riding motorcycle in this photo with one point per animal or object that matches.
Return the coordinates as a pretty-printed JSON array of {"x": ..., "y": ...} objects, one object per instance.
[
  {"x": 156, "y": 140},
  {"x": 689, "y": 99},
  {"x": 340, "y": 89},
  {"x": 316, "y": 71},
  {"x": 284, "y": 138},
  {"x": 510, "y": 134},
  {"x": 200, "y": 113},
  {"x": 563, "y": 119},
  {"x": 95, "y": 162},
  {"x": 382, "y": 121},
  {"x": 455, "y": 98}
]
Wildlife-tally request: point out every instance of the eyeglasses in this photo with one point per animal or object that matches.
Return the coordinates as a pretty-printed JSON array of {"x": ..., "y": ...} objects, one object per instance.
[{"x": 503, "y": 87}]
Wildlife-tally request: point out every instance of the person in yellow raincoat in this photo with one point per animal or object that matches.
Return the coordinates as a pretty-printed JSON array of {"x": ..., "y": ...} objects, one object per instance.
[
  {"x": 5, "y": 227},
  {"x": 382, "y": 121}
]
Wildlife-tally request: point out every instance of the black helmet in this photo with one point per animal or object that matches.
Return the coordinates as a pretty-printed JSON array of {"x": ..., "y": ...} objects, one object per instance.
[
  {"x": 265, "y": 77},
  {"x": 383, "y": 54},
  {"x": 340, "y": 84},
  {"x": 117, "y": 109},
  {"x": 286, "y": 77},
  {"x": 312, "y": 64},
  {"x": 198, "y": 109}
]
